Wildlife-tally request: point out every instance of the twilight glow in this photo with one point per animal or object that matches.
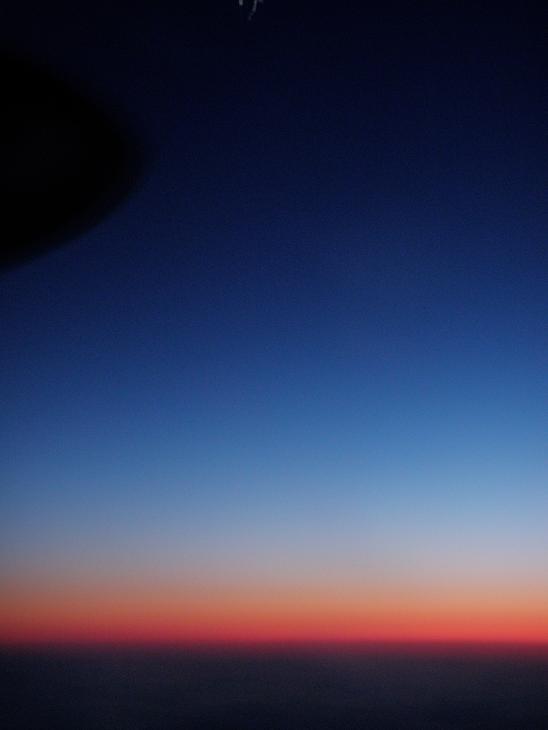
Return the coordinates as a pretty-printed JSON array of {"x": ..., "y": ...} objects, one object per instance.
[{"x": 294, "y": 389}]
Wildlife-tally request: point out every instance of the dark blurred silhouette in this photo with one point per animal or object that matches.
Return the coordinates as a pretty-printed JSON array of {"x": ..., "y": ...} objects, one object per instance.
[{"x": 65, "y": 161}]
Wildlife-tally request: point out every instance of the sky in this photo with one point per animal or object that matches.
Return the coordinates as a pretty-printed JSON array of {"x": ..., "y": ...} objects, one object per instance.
[{"x": 294, "y": 386}]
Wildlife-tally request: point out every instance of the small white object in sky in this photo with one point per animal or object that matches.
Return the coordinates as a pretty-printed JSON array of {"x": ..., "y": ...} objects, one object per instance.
[{"x": 253, "y": 9}]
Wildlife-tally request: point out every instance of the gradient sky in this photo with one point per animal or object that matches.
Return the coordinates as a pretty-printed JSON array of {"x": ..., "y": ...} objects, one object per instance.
[{"x": 295, "y": 386}]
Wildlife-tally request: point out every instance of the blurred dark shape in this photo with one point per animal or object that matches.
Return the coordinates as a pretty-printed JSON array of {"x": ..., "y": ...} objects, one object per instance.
[{"x": 64, "y": 162}]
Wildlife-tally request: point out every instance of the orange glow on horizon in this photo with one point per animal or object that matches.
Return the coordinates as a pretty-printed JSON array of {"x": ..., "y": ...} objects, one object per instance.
[{"x": 135, "y": 614}]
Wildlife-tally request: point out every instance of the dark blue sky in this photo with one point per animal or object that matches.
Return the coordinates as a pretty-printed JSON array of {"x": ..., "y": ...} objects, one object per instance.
[{"x": 315, "y": 333}]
